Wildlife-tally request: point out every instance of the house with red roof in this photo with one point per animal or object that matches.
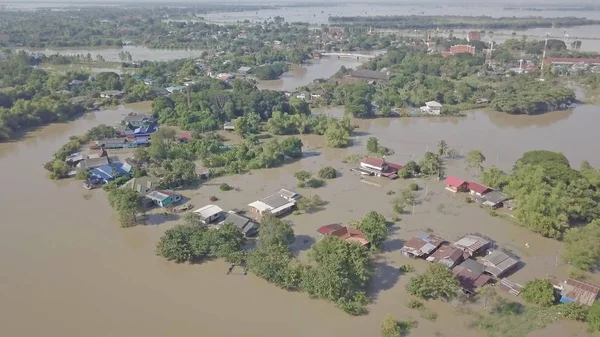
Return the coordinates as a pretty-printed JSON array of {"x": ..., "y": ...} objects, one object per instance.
[
  {"x": 478, "y": 190},
  {"x": 380, "y": 167},
  {"x": 454, "y": 184},
  {"x": 184, "y": 137},
  {"x": 345, "y": 233}
]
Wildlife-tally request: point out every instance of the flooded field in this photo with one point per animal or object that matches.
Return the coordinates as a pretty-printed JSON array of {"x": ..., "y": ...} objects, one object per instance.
[
  {"x": 69, "y": 267},
  {"x": 138, "y": 53},
  {"x": 301, "y": 75}
]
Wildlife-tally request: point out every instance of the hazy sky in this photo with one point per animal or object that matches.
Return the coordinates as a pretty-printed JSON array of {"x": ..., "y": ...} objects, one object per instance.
[{"x": 474, "y": 2}]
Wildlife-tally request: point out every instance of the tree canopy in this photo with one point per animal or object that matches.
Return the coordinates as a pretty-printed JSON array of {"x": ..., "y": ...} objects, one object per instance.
[
  {"x": 540, "y": 292},
  {"x": 436, "y": 282}
]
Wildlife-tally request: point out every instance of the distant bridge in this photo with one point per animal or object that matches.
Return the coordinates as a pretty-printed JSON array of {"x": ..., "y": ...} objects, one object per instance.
[{"x": 349, "y": 55}]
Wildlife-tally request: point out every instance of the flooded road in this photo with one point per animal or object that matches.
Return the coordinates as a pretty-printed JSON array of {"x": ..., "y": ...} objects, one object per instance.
[{"x": 68, "y": 266}]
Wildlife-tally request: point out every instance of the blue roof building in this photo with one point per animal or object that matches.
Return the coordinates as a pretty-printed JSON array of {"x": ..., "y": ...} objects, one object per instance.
[{"x": 109, "y": 172}]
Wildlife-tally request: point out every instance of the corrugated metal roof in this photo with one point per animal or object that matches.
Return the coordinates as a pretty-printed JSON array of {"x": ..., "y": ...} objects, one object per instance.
[{"x": 580, "y": 292}]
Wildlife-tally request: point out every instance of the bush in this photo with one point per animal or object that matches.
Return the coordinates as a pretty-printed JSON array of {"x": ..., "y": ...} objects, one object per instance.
[
  {"x": 398, "y": 208},
  {"x": 407, "y": 268},
  {"x": 493, "y": 213},
  {"x": 413, "y": 187},
  {"x": 468, "y": 200},
  {"x": 575, "y": 273},
  {"x": 414, "y": 304},
  {"x": 327, "y": 173},
  {"x": 540, "y": 292},
  {"x": 390, "y": 192},
  {"x": 224, "y": 187},
  {"x": 82, "y": 175},
  {"x": 428, "y": 314},
  {"x": 213, "y": 198},
  {"x": 315, "y": 183}
]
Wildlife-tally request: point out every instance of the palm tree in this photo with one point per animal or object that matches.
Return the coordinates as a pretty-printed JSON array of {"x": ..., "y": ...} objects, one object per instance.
[{"x": 442, "y": 148}]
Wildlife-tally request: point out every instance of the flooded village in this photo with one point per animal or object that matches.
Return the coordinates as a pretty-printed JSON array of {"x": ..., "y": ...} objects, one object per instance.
[{"x": 69, "y": 267}]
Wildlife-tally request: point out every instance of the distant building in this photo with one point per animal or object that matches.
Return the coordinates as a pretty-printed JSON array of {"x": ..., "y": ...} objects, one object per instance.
[
  {"x": 244, "y": 70},
  {"x": 421, "y": 245},
  {"x": 246, "y": 225},
  {"x": 370, "y": 76},
  {"x": 471, "y": 245},
  {"x": 432, "y": 107},
  {"x": 109, "y": 172},
  {"x": 177, "y": 88},
  {"x": 494, "y": 199},
  {"x": 164, "y": 198},
  {"x": 460, "y": 49},
  {"x": 111, "y": 94},
  {"x": 477, "y": 189},
  {"x": 498, "y": 263},
  {"x": 228, "y": 126},
  {"x": 380, "y": 167},
  {"x": 447, "y": 255},
  {"x": 142, "y": 185},
  {"x": 473, "y": 36}
]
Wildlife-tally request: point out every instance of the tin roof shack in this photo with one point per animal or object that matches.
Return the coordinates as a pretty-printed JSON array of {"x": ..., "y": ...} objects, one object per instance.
[
  {"x": 421, "y": 246},
  {"x": 142, "y": 185},
  {"x": 345, "y": 233},
  {"x": 228, "y": 126},
  {"x": 432, "y": 108},
  {"x": 453, "y": 184},
  {"x": 447, "y": 255},
  {"x": 164, "y": 198},
  {"x": 380, "y": 167},
  {"x": 494, "y": 199},
  {"x": 371, "y": 76},
  {"x": 470, "y": 276},
  {"x": 579, "y": 292},
  {"x": 498, "y": 263},
  {"x": 471, "y": 245},
  {"x": 209, "y": 213},
  {"x": 478, "y": 190},
  {"x": 245, "y": 224},
  {"x": 277, "y": 204}
]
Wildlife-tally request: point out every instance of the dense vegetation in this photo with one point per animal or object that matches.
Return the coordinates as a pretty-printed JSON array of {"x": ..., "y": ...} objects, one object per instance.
[
  {"x": 459, "y": 22},
  {"x": 540, "y": 292},
  {"x": 528, "y": 96}
]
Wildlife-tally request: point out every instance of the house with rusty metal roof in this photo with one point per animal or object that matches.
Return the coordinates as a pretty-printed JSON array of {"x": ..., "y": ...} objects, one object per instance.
[
  {"x": 447, "y": 255},
  {"x": 470, "y": 276},
  {"x": 498, "y": 263},
  {"x": 421, "y": 245},
  {"x": 472, "y": 244},
  {"x": 579, "y": 292}
]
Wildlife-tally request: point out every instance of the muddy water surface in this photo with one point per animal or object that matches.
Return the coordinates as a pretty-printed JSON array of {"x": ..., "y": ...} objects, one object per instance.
[
  {"x": 138, "y": 53},
  {"x": 69, "y": 268}
]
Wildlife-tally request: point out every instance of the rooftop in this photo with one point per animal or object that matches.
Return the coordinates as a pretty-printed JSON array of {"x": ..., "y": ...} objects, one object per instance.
[
  {"x": 454, "y": 181},
  {"x": 422, "y": 244},
  {"x": 208, "y": 211},
  {"x": 580, "y": 292},
  {"x": 471, "y": 243},
  {"x": 160, "y": 195},
  {"x": 433, "y": 104},
  {"x": 498, "y": 262},
  {"x": 91, "y": 163},
  {"x": 373, "y": 161},
  {"x": 328, "y": 229},
  {"x": 495, "y": 197},
  {"x": 446, "y": 255},
  {"x": 470, "y": 275},
  {"x": 137, "y": 117},
  {"x": 477, "y": 188},
  {"x": 245, "y": 224},
  {"x": 142, "y": 185},
  {"x": 370, "y": 74}
]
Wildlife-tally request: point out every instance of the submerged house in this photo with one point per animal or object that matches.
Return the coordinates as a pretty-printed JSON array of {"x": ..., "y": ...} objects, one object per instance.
[
  {"x": 578, "y": 292},
  {"x": 277, "y": 204},
  {"x": 421, "y": 246},
  {"x": 379, "y": 167},
  {"x": 472, "y": 244},
  {"x": 138, "y": 120},
  {"x": 117, "y": 143},
  {"x": 498, "y": 263},
  {"x": 142, "y": 185},
  {"x": 478, "y": 190},
  {"x": 164, "y": 198},
  {"x": 494, "y": 199},
  {"x": 455, "y": 185},
  {"x": 470, "y": 276},
  {"x": 246, "y": 225},
  {"x": 209, "y": 213},
  {"x": 432, "y": 108},
  {"x": 348, "y": 234},
  {"x": 109, "y": 172},
  {"x": 447, "y": 255}
]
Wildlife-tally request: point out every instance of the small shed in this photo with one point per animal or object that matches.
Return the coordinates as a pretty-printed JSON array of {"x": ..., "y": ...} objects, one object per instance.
[
  {"x": 228, "y": 126},
  {"x": 478, "y": 189},
  {"x": 246, "y": 225},
  {"x": 432, "y": 107},
  {"x": 494, "y": 199}
]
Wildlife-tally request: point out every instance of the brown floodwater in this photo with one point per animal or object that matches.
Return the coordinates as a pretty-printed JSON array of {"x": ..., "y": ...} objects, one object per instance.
[
  {"x": 138, "y": 53},
  {"x": 68, "y": 269}
]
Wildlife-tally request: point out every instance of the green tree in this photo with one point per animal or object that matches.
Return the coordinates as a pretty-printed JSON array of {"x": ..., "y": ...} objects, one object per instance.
[
  {"x": 436, "y": 282},
  {"x": 430, "y": 164},
  {"x": 310, "y": 204},
  {"x": 292, "y": 147},
  {"x": 452, "y": 153},
  {"x": 179, "y": 243},
  {"x": 494, "y": 177},
  {"x": 327, "y": 172},
  {"x": 412, "y": 167},
  {"x": 339, "y": 272},
  {"x": 442, "y": 148},
  {"x": 178, "y": 172},
  {"x": 337, "y": 136},
  {"x": 593, "y": 316},
  {"x": 582, "y": 246},
  {"x": 374, "y": 225},
  {"x": 540, "y": 292},
  {"x": 373, "y": 145},
  {"x": 474, "y": 159},
  {"x": 274, "y": 231},
  {"x": 128, "y": 203},
  {"x": 302, "y": 176}
]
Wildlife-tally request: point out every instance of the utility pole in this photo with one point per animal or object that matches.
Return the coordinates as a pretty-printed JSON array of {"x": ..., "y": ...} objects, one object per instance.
[
  {"x": 544, "y": 54},
  {"x": 188, "y": 95}
]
